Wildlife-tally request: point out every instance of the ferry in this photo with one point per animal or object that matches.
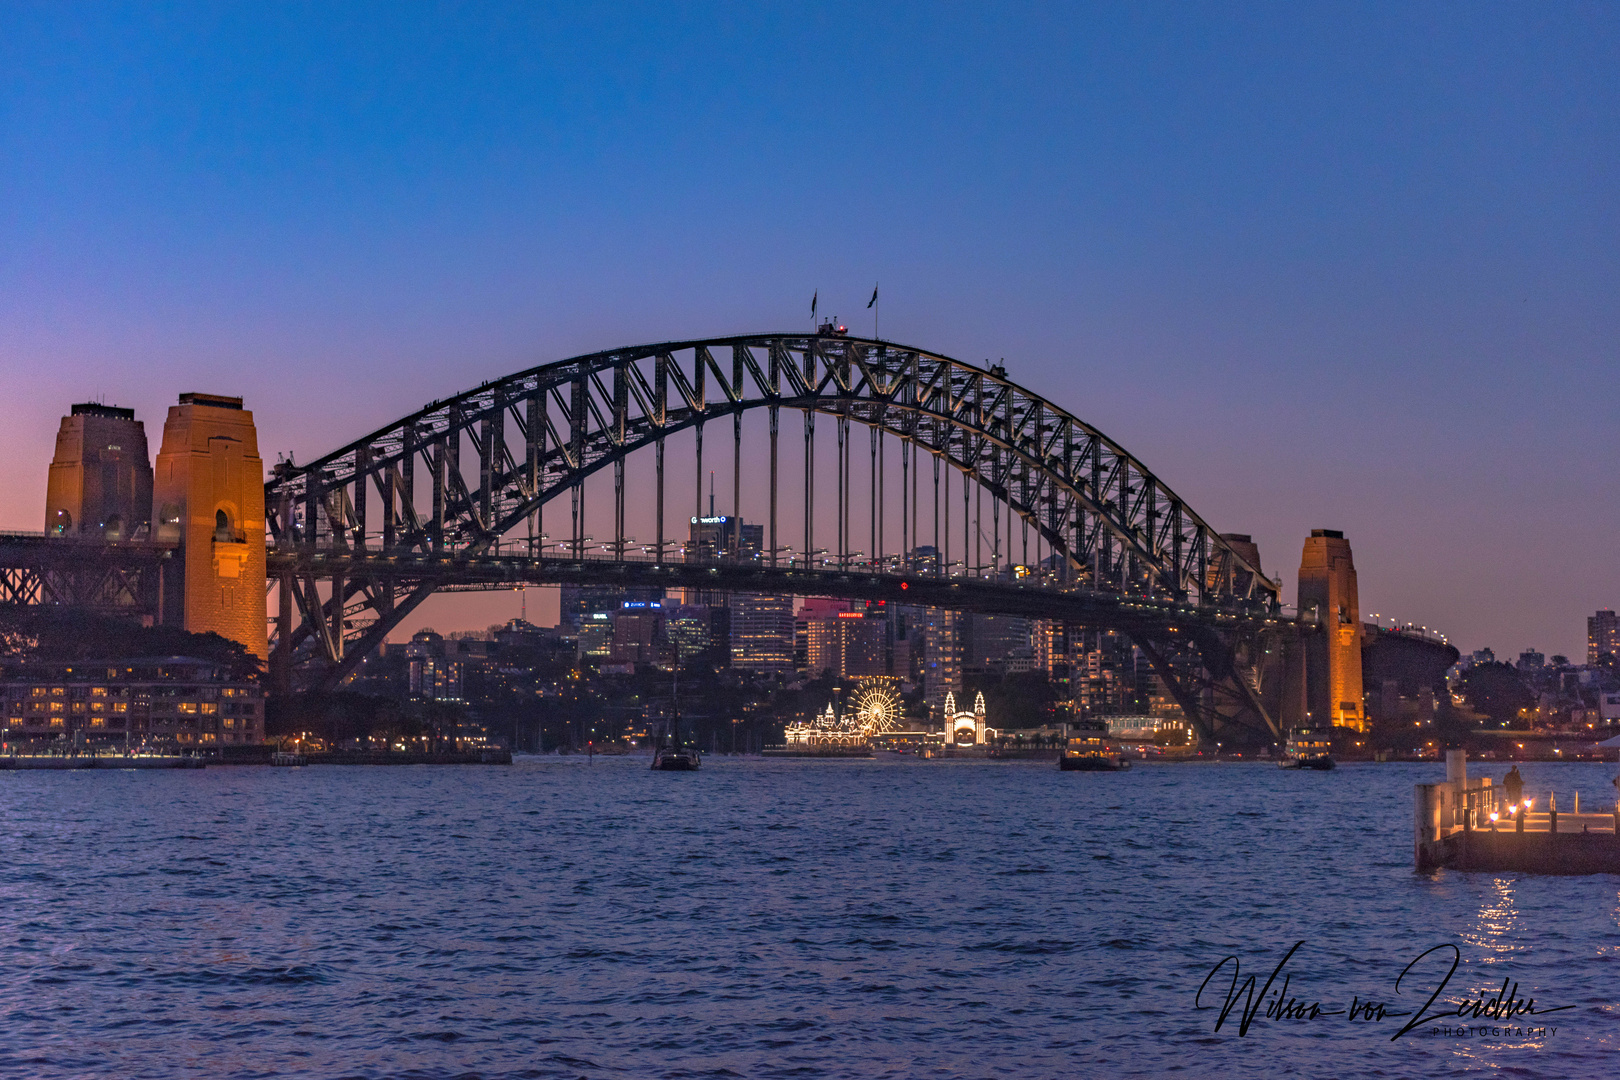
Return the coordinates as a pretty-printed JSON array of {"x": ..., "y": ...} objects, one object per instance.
[
  {"x": 1308, "y": 748},
  {"x": 1089, "y": 751}
]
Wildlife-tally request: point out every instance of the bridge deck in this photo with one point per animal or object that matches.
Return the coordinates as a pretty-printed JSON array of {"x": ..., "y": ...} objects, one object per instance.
[{"x": 1026, "y": 597}]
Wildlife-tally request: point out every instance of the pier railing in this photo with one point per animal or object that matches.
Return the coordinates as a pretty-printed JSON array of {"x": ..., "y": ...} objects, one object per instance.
[{"x": 1475, "y": 826}]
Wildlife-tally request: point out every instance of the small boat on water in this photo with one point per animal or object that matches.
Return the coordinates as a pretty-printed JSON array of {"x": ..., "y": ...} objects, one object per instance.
[
  {"x": 1308, "y": 748},
  {"x": 676, "y": 759},
  {"x": 1090, "y": 751},
  {"x": 670, "y": 754}
]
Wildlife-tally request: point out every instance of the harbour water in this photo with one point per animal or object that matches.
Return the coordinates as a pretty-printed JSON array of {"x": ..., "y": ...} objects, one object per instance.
[{"x": 770, "y": 918}]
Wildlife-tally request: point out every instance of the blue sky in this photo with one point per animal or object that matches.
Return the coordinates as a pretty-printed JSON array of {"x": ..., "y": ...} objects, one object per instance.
[{"x": 1350, "y": 266}]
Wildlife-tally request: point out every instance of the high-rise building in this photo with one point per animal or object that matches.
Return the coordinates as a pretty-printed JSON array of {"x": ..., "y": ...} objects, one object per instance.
[
  {"x": 100, "y": 482},
  {"x": 942, "y": 658},
  {"x": 1327, "y": 587},
  {"x": 761, "y": 633},
  {"x": 1602, "y": 636},
  {"x": 209, "y": 493},
  {"x": 433, "y": 674},
  {"x": 722, "y": 538},
  {"x": 989, "y": 641},
  {"x": 637, "y": 632},
  {"x": 688, "y": 631},
  {"x": 850, "y": 644},
  {"x": 577, "y": 603}
]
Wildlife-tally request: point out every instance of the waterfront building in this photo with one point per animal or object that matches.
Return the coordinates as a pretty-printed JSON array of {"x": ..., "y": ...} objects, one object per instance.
[
  {"x": 100, "y": 481},
  {"x": 761, "y": 633},
  {"x": 167, "y": 699},
  {"x": 1327, "y": 589},
  {"x": 1602, "y": 636}
]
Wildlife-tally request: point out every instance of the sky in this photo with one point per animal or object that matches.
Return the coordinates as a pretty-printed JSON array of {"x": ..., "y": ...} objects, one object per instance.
[{"x": 1318, "y": 266}]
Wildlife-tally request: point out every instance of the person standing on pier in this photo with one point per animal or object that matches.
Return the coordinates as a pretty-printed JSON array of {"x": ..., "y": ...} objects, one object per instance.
[{"x": 1514, "y": 783}]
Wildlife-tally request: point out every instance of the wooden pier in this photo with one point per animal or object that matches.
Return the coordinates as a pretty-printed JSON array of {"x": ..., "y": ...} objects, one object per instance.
[{"x": 1466, "y": 825}]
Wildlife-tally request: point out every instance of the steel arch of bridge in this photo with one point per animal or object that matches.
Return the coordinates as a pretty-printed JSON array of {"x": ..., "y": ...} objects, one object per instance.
[{"x": 1113, "y": 526}]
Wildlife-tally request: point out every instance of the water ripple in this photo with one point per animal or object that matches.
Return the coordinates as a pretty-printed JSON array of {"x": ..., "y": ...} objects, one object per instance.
[{"x": 762, "y": 919}]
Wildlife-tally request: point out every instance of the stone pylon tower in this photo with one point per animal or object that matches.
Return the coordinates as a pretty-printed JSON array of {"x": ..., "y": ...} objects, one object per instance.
[
  {"x": 100, "y": 482},
  {"x": 1327, "y": 585},
  {"x": 208, "y": 495}
]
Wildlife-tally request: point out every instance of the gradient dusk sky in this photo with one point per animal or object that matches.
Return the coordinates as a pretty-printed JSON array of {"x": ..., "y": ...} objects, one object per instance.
[{"x": 1343, "y": 266}]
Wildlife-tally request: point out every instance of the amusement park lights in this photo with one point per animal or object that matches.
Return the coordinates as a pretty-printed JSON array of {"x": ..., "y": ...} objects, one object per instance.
[{"x": 874, "y": 709}]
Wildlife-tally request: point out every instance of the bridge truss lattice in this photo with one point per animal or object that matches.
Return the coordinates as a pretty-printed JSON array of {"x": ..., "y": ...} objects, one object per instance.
[{"x": 458, "y": 494}]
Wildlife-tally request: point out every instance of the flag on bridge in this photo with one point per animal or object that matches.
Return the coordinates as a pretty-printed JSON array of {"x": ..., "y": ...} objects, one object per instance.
[
  {"x": 813, "y": 298},
  {"x": 872, "y": 301}
]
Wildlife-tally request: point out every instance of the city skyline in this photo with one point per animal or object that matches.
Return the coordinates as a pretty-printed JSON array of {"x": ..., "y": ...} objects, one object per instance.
[{"x": 1350, "y": 272}]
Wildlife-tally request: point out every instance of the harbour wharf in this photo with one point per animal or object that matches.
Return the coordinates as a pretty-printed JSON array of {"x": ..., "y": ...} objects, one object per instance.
[
  {"x": 101, "y": 761},
  {"x": 1465, "y": 825}
]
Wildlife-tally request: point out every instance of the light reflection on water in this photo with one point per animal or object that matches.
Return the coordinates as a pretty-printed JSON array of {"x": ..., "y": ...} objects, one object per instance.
[
  {"x": 760, "y": 918},
  {"x": 1496, "y": 932}
]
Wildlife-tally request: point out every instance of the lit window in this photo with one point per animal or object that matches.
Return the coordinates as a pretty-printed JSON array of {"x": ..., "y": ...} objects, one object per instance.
[
  {"x": 187, "y": 708},
  {"x": 56, "y": 706},
  {"x": 56, "y": 721},
  {"x": 120, "y": 706},
  {"x": 98, "y": 721},
  {"x": 98, "y": 691},
  {"x": 209, "y": 708}
]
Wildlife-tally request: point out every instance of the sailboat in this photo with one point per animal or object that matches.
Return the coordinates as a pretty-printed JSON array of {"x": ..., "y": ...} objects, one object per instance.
[{"x": 670, "y": 755}]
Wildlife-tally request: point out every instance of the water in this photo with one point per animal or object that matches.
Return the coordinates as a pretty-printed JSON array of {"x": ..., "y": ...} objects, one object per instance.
[{"x": 763, "y": 919}]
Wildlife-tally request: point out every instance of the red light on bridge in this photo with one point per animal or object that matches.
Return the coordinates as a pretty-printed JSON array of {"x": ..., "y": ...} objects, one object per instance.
[{"x": 904, "y": 585}]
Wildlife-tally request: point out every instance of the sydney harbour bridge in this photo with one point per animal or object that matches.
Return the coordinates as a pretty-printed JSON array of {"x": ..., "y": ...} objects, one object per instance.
[
  {"x": 871, "y": 470},
  {"x": 951, "y": 486}
]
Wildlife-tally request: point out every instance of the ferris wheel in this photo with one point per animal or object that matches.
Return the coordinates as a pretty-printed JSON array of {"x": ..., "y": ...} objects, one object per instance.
[{"x": 875, "y": 707}]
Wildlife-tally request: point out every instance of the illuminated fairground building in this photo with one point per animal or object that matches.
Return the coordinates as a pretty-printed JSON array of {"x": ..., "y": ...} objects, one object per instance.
[
  {"x": 966, "y": 728},
  {"x": 874, "y": 711}
]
